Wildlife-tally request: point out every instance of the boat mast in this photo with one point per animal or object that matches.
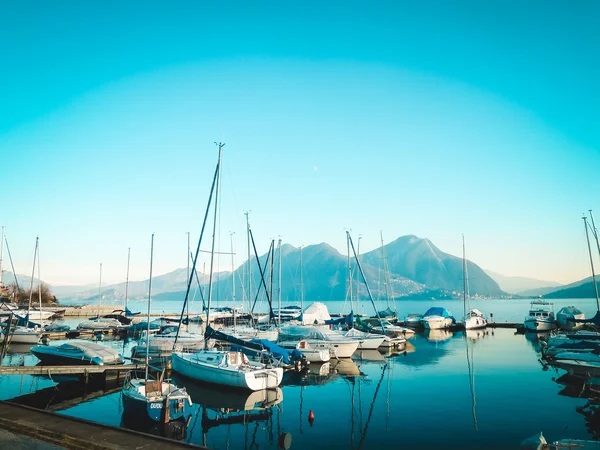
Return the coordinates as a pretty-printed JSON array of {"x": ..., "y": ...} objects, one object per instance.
[
  {"x": 212, "y": 250},
  {"x": 464, "y": 278},
  {"x": 31, "y": 285},
  {"x": 301, "y": 282},
  {"x": 591, "y": 261},
  {"x": 1, "y": 256},
  {"x": 100, "y": 291},
  {"x": 249, "y": 263},
  {"x": 349, "y": 275},
  {"x": 365, "y": 281},
  {"x": 271, "y": 274},
  {"x": 188, "y": 269},
  {"x": 595, "y": 231},
  {"x": 127, "y": 279},
  {"x": 39, "y": 283},
  {"x": 279, "y": 288},
  {"x": 231, "y": 233},
  {"x": 149, "y": 301}
]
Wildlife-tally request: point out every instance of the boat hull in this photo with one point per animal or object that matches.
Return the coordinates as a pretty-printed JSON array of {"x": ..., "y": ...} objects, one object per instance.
[
  {"x": 436, "y": 323},
  {"x": 25, "y": 337},
  {"x": 254, "y": 380},
  {"x": 154, "y": 410},
  {"x": 474, "y": 323},
  {"x": 538, "y": 324},
  {"x": 565, "y": 321}
]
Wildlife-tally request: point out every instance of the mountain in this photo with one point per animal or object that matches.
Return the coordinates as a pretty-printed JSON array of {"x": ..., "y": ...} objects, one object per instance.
[
  {"x": 516, "y": 285},
  {"x": 419, "y": 260},
  {"x": 550, "y": 290},
  {"x": 585, "y": 290},
  {"x": 579, "y": 289}
]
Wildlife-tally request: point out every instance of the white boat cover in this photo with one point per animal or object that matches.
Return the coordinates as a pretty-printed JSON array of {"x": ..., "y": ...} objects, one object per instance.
[{"x": 315, "y": 314}]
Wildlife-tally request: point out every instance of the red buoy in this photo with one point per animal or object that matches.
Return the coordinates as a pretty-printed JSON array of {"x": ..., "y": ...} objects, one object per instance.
[{"x": 311, "y": 417}]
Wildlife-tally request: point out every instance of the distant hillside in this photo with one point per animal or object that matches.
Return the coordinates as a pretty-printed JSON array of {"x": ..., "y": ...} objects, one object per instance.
[
  {"x": 419, "y": 260},
  {"x": 516, "y": 285},
  {"x": 585, "y": 290},
  {"x": 548, "y": 291}
]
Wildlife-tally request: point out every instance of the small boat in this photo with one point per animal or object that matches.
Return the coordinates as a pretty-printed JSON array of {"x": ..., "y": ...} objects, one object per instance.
[
  {"x": 143, "y": 326},
  {"x": 414, "y": 320},
  {"x": 375, "y": 326},
  {"x": 77, "y": 352},
  {"x": 247, "y": 332},
  {"x": 475, "y": 320},
  {"x": 57, "y": 327},
  {"x": 186, "y": 341},
  {"x": 287, "y": 313},
  {"x": 565, "y": 318},
  {"x": 157, "y": 401},
  {"x": 388, "y": 314},
  {"x": 100, "y": 323},
  {"x": 25, "y": 335},
  {"x": 340, "y": 346},
  {"x": 541, "y": 316},
  {"x": 314, "y": 352},
  {"x": 437, "y": 318},
  {"x": 367, "y": 341}
]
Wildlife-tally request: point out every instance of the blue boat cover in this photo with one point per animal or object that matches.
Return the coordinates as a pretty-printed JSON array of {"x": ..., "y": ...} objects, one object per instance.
[
  {"x": 347, "y": 320},
  {"x": 438, "y": 311}
]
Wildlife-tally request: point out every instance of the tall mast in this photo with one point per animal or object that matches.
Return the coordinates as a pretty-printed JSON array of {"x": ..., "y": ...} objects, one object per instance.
[
  {"x": 595, "y": 231},
  {"x": 464, "y": 278},
  {"x": 271, "y": 274},
  {"x": 301, "y": 282},
  {"x": 214, "y": 236},
  {"x": 591, "y": 261},
  {"x": 127, "y": 279},
  {"x": 231, "y": 233},
  {"x": 387, "y": 295},
  {"x": 188, "y": 269},
  {"x": 279, "y": 287},
  {"x": 349, "y": 275},
  {"x": 249, "y": 263},
  {"x": 365, "y": 280},
  {"x": 31, "y": 285},
  {"x": 149, "y": 301},
  {"x": 1, "y": 256},
  {"x": 100, "y": 291},
  {"x": 39, "y": 281}
]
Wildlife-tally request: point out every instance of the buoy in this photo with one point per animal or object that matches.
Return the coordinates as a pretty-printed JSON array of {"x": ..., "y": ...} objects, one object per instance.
[
  {"x": 311, "y": 417},
  {"x": 285, "y": 440}
]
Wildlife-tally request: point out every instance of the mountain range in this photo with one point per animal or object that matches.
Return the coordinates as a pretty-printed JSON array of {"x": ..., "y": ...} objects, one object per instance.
[{"x": 417, "y": 269}]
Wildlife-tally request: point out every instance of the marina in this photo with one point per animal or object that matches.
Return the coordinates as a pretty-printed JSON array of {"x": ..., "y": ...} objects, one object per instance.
[{"x": 482, "y": 381}]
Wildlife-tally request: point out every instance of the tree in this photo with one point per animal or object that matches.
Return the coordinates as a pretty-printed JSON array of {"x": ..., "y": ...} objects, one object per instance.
[{"x": 22, "y": 296}]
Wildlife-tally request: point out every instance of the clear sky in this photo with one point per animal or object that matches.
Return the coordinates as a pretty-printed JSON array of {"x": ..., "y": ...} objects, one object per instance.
[{"x": 432, "y": 118}]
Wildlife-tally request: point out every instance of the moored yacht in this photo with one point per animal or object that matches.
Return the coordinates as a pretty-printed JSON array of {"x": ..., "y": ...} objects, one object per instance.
[{"x": 541, "y": 316}]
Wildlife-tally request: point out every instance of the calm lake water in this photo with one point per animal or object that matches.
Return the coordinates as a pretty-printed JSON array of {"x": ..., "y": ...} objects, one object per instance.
[{"x": 483, "y": 390}]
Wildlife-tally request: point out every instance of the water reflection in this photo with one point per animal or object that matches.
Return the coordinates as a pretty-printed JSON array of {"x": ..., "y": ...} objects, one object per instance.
[
  {"x": 534, "y": 339},
  {"x": 438, "y": 335},
  {"x": 175, "y": 429}
]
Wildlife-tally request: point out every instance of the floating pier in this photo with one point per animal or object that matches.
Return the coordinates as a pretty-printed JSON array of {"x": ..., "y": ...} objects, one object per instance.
[{"x": 73, "y": 433}]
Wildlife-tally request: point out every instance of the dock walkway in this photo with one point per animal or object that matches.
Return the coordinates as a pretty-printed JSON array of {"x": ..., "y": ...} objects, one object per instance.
[{"x": 72, "y": 433}]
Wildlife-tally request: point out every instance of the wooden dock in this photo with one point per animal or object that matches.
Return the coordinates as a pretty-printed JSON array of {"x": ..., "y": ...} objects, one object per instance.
[
  {"x": 73, "y": 433},
  {"x": 111, "y": 372}
]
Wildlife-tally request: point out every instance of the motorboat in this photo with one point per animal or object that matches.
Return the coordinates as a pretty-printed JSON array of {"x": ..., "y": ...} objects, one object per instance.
[
  {"x": 578, "y": 364},
  {"x": 414, "y": 320},
  {"x": 340, "y": 346},
  {"x": 314, "y": 352},
  {"x": 100, "y": 323},
  {"x": 367, "y": 341},
  {"x": 157, "y": 401},
  {"x": 541, "y": 316},
  {"x": 376, "y": 324},
  {"x": 186, "y": 341},
  {"x": 437, "y": 318},
  {"x": 25, "y": 335},
  {"x": 57, "y": 327},
  {"x": 566, "y": 318},
  {"x": 232, "y": 369},
  {"x": 287, "y": 313},
  {"x": 247, "y": 332},
  {"x": 475, "y": 320},
  {"x": 76, "y": 353}
]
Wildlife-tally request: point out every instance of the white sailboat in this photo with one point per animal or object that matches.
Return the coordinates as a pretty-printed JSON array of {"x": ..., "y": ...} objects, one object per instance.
[
  {"x": 27, "y": 334},
  {"x": 222, "y": 367},
  {"x": 473, "y": 319}
]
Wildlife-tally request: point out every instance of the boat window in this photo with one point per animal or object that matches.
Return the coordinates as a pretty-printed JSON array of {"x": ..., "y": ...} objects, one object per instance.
[{"x": 532, "y": 314}]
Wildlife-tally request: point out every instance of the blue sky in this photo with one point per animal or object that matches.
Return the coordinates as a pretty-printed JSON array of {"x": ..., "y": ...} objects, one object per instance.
[{"x": 435, "y": 119}]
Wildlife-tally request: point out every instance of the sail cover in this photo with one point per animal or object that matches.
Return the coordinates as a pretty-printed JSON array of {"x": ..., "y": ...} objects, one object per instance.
[{"x": 316, "y": 314}]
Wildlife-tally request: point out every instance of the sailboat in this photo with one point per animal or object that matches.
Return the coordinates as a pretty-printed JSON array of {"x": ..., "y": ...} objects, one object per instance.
[
  {"x": 28, "y": 334},
  {"x": 160, "y": 400},
  {"x": 474, "y": 319},
  {"x": 225, "y": 368}
]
